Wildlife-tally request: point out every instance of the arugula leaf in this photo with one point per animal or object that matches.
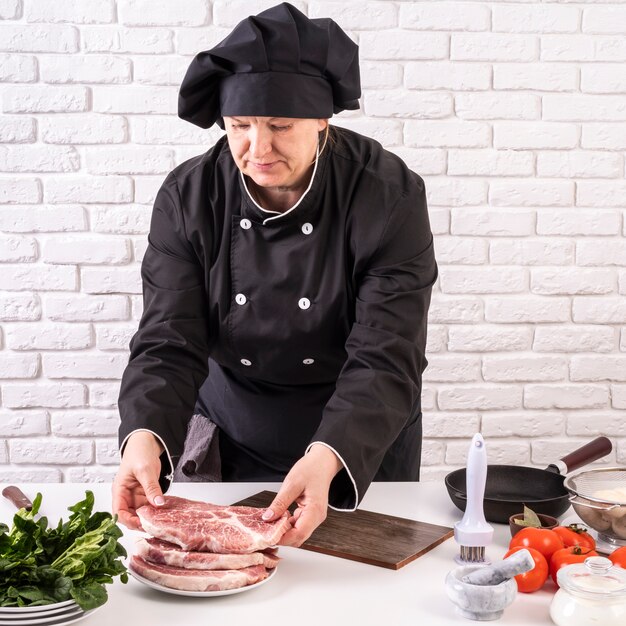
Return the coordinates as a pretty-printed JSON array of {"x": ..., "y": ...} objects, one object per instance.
[
  {"x": 63, "y": 588},
  {"x": 90, "y": 596},
  {"x": 31, "y": 593}
]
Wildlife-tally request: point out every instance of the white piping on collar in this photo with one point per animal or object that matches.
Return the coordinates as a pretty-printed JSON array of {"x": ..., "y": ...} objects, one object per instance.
[{"x": 278, "y": 214}]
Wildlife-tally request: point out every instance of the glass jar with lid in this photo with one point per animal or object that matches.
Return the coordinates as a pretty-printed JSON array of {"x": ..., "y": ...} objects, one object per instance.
[{"x": 593, "y": 592}]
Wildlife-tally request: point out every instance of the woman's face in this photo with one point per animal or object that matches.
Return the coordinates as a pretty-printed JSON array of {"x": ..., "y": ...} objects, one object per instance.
[{"x": 275, "y": 152}]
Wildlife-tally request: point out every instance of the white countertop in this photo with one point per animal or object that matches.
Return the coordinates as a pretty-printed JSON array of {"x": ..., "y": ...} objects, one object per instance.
[{"x": 308, "y": 588}]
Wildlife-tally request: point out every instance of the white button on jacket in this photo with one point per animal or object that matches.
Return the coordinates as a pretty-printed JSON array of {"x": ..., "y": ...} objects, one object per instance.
[
  {"x": 304, "y": 303},
  {"x": 240, "y": 298},
  {"x": 245, "y": 224},
  {"x": 307, "y": 228},
  {"x": 246, "y": 362},
  {"x": 308, "y": 361}
]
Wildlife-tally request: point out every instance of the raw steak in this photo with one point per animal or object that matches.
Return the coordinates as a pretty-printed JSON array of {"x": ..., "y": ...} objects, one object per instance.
[
  {"x": 166, "y": 553},
  {"x": 197, "y": 579},
  {"x": 195, "y": 525}
]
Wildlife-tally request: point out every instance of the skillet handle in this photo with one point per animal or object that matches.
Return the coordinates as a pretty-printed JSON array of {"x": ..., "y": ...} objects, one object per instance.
[{"x": 596, "y": 449}]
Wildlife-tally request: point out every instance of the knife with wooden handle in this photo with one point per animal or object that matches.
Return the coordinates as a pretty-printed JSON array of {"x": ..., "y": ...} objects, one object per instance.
[{"x": 18, "y": 497}]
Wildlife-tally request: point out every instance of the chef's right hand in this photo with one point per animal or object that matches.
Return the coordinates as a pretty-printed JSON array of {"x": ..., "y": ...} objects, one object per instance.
[{"x": 137, "y": 480}]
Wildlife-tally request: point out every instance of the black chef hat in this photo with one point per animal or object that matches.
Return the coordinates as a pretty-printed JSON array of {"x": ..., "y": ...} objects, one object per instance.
[{"x": 278, "y": 63}]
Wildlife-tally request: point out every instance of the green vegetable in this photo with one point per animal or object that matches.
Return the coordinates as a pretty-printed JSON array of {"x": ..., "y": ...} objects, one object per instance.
[
  {"x": 530, "y": 519},
  {"x": 41, "y": 565}
]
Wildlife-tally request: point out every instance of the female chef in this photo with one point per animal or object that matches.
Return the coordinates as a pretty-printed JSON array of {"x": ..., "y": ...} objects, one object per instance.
[{"x": 286, "y": 288}]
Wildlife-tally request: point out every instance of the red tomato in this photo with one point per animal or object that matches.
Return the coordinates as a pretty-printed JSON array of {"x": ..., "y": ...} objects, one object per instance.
[
  {"x": 618, "y": 557},
  {"x": 541, "y": 539},
  {"x": 575, "y": 535},
  {"x": 534, "y": 579},
  {"x": 566, "y": 556}
]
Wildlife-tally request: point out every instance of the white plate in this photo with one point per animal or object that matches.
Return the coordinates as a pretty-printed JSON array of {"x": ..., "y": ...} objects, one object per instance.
[
  {"x": 66, "y": 604},
  {"x": 15, "y": 619},
  {"x": 200, "y": 594},
  {"x": 52, "y": 614},
  {"x": 52, "y": 620}
]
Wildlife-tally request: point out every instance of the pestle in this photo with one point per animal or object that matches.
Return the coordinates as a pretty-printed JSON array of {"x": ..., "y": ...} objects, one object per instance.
[{"x": 517, "y": 563}]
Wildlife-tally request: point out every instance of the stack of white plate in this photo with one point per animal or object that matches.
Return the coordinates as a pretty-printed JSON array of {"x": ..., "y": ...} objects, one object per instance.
[{"x": 59, "y": 613}]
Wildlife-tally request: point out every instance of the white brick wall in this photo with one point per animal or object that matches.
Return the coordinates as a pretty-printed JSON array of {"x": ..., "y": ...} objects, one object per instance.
[{"x": 513, "y": 112}]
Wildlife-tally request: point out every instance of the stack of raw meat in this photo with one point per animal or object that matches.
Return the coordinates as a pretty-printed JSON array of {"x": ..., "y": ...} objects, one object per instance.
[{"x": 196, "y": 546}]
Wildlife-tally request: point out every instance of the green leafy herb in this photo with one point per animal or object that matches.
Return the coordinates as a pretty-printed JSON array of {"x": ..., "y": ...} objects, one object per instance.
[
  {"x": 74, "y": 560},
  {"x": 530, "y": 519}
]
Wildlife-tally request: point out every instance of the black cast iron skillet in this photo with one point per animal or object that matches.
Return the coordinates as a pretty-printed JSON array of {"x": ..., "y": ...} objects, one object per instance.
[{"x": 509, "y": 487}]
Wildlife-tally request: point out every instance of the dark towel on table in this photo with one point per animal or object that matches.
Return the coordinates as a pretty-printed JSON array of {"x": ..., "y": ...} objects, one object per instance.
[{"x": 200, "y": 460}]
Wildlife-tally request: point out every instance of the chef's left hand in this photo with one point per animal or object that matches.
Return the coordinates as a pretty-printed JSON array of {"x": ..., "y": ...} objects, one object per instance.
[{"x": 307, "y": 485}]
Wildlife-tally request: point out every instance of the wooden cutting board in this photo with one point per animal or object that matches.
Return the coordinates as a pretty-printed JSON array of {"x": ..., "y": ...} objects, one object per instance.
[{"x": 368, "y": 537}]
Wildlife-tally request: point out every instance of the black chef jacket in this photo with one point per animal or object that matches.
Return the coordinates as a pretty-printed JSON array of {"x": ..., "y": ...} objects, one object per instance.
[{"x": 287, "y": 328}]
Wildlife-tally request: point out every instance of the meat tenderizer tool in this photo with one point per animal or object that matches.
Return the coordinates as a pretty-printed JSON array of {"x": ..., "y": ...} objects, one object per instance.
[{"x": 473, "y": 533}]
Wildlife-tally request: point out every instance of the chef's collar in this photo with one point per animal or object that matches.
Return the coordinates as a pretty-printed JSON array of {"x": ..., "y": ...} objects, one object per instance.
[
  {"x": 278, "y": 63},
  {"x": 275, "y": 215},
  {"x": 303, "y": 210}
]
